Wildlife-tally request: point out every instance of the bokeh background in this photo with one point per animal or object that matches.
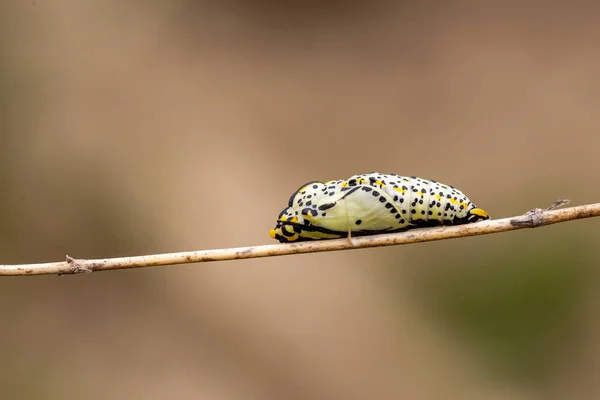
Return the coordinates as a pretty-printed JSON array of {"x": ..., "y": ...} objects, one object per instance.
[{"x": 131, "y": 128}]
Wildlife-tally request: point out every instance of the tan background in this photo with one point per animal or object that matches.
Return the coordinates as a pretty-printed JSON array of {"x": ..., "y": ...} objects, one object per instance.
[{"x": 142, "y": 127}]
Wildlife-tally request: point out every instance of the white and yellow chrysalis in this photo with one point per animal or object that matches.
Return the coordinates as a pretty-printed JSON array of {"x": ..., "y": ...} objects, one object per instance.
[{"x": 370, "y": 204}]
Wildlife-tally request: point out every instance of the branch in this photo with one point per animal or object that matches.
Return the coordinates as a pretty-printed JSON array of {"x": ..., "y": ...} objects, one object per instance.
[{"x": 531, "y": 219}]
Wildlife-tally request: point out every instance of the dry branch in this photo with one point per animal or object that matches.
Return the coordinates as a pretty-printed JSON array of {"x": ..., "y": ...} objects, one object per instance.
[{"x": 532, "y": 219}]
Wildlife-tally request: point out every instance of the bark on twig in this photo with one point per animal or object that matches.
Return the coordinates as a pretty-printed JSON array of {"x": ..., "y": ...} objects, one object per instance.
[{"x": 531, "y": 219}]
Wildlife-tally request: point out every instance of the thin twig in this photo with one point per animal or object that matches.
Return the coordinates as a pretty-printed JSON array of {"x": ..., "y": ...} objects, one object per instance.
[{"x": 531, "y": 219}]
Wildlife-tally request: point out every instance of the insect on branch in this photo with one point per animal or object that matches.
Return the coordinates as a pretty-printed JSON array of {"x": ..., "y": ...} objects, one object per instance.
[{"x": 532, "y": 219}]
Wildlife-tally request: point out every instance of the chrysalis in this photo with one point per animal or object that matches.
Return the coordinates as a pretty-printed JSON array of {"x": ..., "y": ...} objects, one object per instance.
[{"x": 370, "y": 204}]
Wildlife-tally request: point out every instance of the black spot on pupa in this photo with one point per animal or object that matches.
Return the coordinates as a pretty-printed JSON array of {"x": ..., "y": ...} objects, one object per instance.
[{"x": 326, "y": 206}]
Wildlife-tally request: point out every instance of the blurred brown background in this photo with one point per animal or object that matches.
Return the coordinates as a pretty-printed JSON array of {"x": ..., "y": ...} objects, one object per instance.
[{"x": 142, "y": 127}]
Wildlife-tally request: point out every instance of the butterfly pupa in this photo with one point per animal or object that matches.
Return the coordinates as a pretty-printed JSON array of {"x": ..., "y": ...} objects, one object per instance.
[{"x": 370, "y": 204}]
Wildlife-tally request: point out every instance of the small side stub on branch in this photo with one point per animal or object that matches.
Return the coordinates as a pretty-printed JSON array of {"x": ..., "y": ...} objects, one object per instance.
[
  {"x": 535, "y": 217},
  {"x": 75, "y": 267}
]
